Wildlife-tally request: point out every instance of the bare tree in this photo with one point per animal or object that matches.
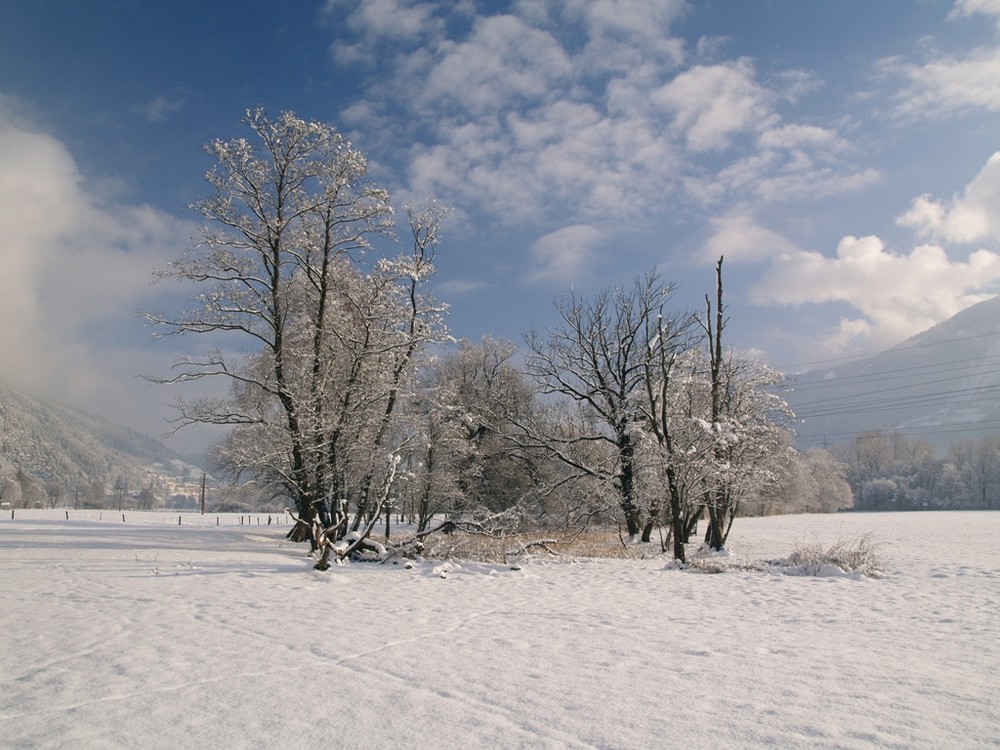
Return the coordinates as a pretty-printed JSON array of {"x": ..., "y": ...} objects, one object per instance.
[
  {"x": 463, "y": 461},
  {"x": 597, "y": 358},
  {"x": 663, "y": 411},
  {"x": 742, "y": 421},
  {"x": 330, "y": 340},
  {"x": 720, "y": 503}
]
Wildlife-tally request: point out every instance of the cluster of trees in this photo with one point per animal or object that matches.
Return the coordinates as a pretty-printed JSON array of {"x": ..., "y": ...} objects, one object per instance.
[
  {"x": 649, "y": 407},
  {"x": 20, "y": 489},
  {"x": 345, "y": 398},
  {"x": 888, "y": 471}
]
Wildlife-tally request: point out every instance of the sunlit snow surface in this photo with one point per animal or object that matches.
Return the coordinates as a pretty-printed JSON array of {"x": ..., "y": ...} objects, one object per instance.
[{"x": 149, "y": 634}]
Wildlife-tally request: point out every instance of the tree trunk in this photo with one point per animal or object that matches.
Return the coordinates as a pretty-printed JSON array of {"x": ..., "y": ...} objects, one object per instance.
[
  {"x": 714, "y": 536},
  {"x": 676, "y": 515},
  {"x": 626, "y": 453},
  {"x": 691, "y": 523},
  {"x": 654, "y": 519}
]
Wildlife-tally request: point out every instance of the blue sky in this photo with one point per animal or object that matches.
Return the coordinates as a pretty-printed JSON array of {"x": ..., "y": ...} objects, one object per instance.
[{"x": 839, "y": 154}]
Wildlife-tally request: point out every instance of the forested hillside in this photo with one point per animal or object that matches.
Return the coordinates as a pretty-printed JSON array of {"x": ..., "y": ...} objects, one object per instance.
[{"x": 51, "y": 454}]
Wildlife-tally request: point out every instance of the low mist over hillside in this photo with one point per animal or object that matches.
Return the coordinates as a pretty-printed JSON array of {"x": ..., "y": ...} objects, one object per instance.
[
  {"x": 942, "y": 385},
  {"x": 50, "y": 454}
]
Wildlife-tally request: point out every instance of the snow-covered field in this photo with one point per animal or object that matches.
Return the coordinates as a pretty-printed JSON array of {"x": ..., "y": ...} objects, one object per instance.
[{"x": 149, "y": 634}]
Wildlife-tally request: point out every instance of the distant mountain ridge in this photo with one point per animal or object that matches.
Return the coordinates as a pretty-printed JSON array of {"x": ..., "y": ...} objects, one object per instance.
[
  {"x": 53, "y": 442},
  {"x": 942, "y": 385}
]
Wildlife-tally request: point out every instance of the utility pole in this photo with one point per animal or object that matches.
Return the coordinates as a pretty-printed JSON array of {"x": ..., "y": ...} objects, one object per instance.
[{"x": 203, "y": 493}]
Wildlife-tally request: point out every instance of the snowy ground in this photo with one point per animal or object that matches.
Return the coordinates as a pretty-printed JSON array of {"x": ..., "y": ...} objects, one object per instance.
[{"x": 149, "y": 634}]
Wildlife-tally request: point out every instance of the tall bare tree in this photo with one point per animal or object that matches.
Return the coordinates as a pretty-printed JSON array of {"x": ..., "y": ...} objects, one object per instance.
[
  {"x": 598, "y": 358},
  {"x": 320, "y": 342}
]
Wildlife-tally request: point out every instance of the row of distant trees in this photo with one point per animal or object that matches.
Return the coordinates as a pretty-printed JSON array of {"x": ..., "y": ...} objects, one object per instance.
[
  {"x": 20, "y": 489},
  {"x": 461, "y": 468},
  {"x": 888, "y": 471}
]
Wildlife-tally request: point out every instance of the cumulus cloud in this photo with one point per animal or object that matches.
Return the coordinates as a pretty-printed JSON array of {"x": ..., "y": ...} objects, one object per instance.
[
  {"x": 896, "y": 295},
  {"x": 565, "y": 254},
  {"x": 504, "y": 61},
  {"x": 740, "y": 238},
  {"x": 791, "y": 163},
  {"x": 461, "y": 286},
  {"x": 567, "y": 155},
  {"x": 946, "y": 85},
  {"x": 969, "y": 217},
  {"x": 394, "y": 19},
  {"x": 382, "y": 28},
  {"x": 622, "y": 34},
  {"x": 73, "y": 262},
  {"x": 966, "y": 8},
  {"x": 712, "y": 103},
  {"x": 590, "y": 113}
]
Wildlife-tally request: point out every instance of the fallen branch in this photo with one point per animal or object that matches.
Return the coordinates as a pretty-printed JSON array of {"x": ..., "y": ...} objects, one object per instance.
[
  {"x": 451, "y": 526},
  {"x": 357, "y": 542},
  {"x": 526, "y": 546}
]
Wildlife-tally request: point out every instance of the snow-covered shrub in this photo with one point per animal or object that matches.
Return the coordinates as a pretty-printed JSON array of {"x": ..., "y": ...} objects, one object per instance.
[{"x": 857, "y": 554}]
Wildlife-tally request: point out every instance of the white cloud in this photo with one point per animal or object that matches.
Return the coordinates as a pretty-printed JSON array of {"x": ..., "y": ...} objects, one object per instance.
[
  {"x": 395, "y": 19},
  {"x": 795, "y": 137},
  {"x": 460, "y": 286},
  {"x": 627, "y": 19},
  {"x": 896, "y": 295},
  {"x": 737, "y": 236},
  {"x": 382, "y": 28},
  {"x": 161, "y": 107},
  {"x": 713, "y": 103},
  {"x": 587, "y": 113},
  {"x": 804, "y": 181},
  {"x": 946, "y": 85},
  {"x": 72, "y": 262},
  {"x": 563, "y": 155},
  {"x": 389, "y": 19},
  {"x": 792, "y": 163},
  {"x": 792, "y": 85},
  {"x": 623, "y": 35},
  {"x": 965, "y": 8},
  {"x": 504, "y": 61},
  {"x": 565, "y": 255},
  {"x": 970, "y": 217}
]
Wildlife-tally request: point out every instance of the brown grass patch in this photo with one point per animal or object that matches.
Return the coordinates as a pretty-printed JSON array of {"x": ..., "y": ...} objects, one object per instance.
[{"x": 462, "y": 545}]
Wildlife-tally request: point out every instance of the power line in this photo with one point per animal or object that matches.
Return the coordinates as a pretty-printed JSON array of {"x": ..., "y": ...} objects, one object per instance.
[
  {"x": 897, "y": 388},
  {"x": 785, "y": 368},
  {"x": 881, "y": 375},
  {"x": 988, "y": 425}
]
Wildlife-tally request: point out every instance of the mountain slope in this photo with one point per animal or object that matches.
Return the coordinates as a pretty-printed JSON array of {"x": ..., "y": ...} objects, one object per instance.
[
  {"x": 52, "y": 442},
  {"x": 942, "y": 385}
]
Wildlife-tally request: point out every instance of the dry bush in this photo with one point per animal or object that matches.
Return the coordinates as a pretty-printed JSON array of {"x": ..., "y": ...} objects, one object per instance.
[{"x": 857, "y": 554}]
